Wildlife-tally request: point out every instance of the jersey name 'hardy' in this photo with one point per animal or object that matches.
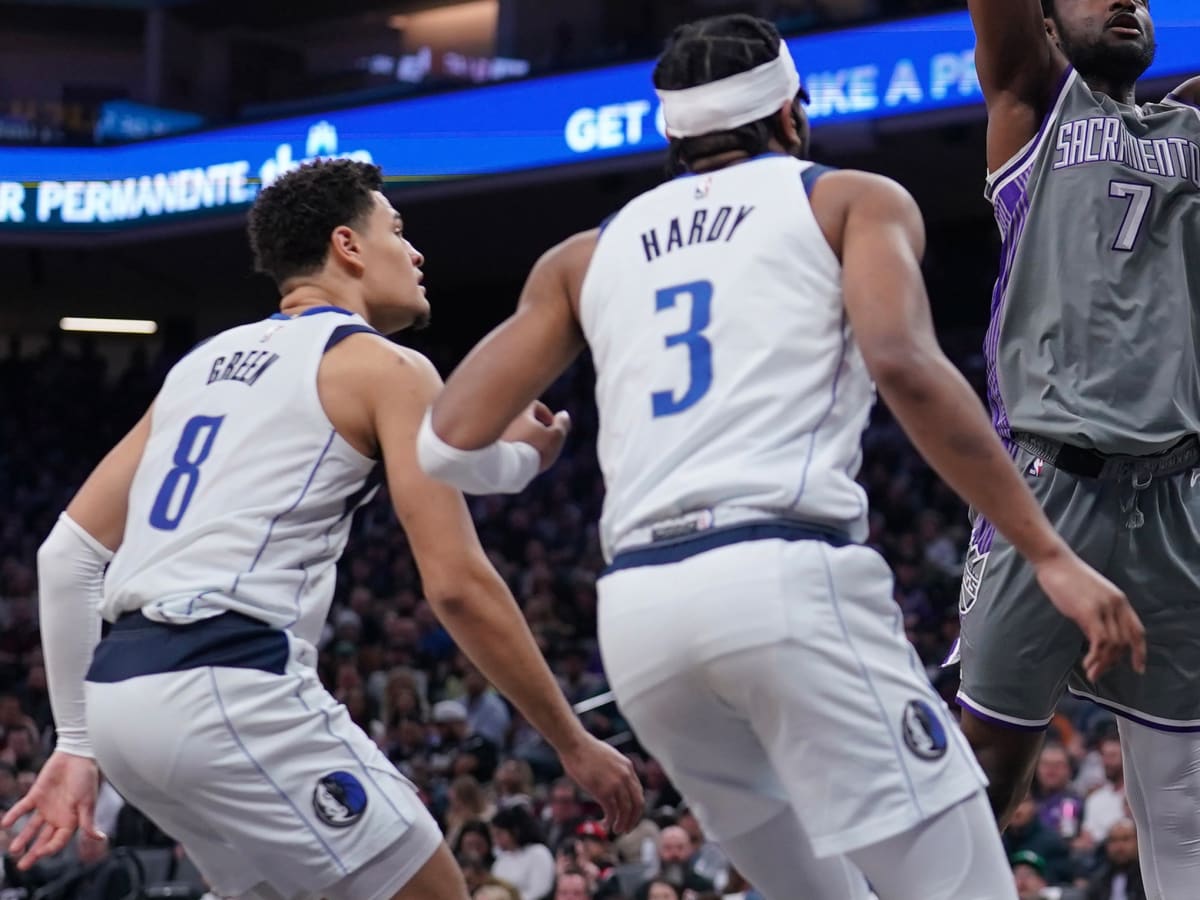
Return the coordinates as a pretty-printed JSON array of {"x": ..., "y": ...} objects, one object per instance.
[{"x": 701, "y": 229}]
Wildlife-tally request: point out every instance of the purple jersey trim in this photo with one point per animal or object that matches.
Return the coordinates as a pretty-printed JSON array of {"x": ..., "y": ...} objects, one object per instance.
[
  {"x": 1022, "y": 159},
  {"x": 1003, "y": 723},
  {"x": 1133, "y": 716}
]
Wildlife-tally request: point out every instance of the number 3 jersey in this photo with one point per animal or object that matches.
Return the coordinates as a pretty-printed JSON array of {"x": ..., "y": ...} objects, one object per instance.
[
  {"x": 1095, "y": 334},
  {"x": 244, "y": 494},
  {"x": 727, "y": 374}
]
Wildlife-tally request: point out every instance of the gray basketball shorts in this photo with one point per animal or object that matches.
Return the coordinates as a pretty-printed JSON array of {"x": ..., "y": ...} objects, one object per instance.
[{"x": 1019, "y": 653}]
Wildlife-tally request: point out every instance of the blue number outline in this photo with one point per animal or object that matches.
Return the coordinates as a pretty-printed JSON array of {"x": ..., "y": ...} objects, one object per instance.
[{"x": 700, "y": 373}]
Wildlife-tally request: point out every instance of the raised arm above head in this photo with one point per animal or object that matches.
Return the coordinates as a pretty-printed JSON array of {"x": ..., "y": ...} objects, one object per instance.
[{"x": 1019, "y": 67}]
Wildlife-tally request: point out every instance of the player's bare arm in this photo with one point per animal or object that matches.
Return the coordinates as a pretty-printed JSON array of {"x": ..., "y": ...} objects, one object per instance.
[
  {"x": 877, "y": 230},
  {"x": 1018, "y": 67},
  {"x": 532, "y": 348},
  {"x": 377, "y": 396},
  {"x": 1189, "y": 91},
  {"x": 70, "y": 574}
]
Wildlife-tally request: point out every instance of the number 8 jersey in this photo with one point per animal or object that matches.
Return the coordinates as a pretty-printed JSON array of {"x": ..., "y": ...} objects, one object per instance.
[
  {"x": 727, "y": 374},
  {"x": 244, "y": 494}
]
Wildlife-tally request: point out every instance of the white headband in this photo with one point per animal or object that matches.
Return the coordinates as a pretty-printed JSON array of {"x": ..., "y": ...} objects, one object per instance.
[{"x": 731, "y": 102}]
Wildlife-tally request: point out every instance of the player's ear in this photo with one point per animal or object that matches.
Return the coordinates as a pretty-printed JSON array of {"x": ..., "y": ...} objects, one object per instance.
[
  {"x": 1052, "y": 32},
  {"x": 346, "y": 247},
  {"x": 788, "y": 124}
]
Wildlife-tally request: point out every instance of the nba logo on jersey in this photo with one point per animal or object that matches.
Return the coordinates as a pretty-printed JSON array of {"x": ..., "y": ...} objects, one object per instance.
[
  {"x": 703, "y": 187},
  {"x": 1035, "y": 468}
]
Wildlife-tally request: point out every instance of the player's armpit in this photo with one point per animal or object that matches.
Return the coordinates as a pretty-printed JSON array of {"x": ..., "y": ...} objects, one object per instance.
[
  {"x": 100, "y": 506},
  {"x": 1019, "y": 67},
  {"x": 514, "y": 364}
]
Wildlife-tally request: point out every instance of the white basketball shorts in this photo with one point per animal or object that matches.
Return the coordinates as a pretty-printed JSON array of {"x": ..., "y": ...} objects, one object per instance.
[
  {"x": 264, "y": 779},
  {"x": 774, "y": 673}
]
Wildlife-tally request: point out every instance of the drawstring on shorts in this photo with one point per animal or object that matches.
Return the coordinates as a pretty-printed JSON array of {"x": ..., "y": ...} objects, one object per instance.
[{"x": 1139, "y": 482}]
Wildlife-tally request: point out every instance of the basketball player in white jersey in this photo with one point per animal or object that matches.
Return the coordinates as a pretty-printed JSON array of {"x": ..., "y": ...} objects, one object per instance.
[
  {"x": 736, "y": 317},
  {"x": 221, "y": 517}
]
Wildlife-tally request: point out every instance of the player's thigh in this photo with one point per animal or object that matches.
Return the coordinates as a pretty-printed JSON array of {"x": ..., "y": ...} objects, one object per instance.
[
  {"x": 273, "y": 765},
  {"x": 844, "y": 709},
  {"x": 1158, "y": 566},
  {"x": 956, "y": 855},
  {"x": 417, "y": 866},
  {"x": 1162, "y": 783},
  {"x": 1016, "y": 649}
]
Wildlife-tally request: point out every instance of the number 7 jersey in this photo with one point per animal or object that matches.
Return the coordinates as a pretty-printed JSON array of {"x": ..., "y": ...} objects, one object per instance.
[
  {"x": 244, "y": 494},
  {"x": 1095, "y": 334},
  {"x": 726, "y": 371}
]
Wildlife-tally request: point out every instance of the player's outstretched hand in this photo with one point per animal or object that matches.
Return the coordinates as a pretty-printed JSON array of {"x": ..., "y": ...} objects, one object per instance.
[
  {"x": 609, "y": 777},
  {"x": 1099, "y": 608},
  {"x": 542, "y": 429},
  {"x": 62, "y": 799}
]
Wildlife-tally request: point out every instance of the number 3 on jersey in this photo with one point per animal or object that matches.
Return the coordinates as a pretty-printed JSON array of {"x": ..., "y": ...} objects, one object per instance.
[
  {"x": 186, "y": 471},
  {"x": 699, "y": 349}
]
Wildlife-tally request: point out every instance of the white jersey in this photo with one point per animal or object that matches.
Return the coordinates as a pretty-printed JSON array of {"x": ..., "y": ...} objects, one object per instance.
[
  {"x": 245, "y": 492},
  {"x": 727, "y": 374}
]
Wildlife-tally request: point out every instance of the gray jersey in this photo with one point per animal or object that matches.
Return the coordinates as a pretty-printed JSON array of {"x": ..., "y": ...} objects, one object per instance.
[{"x": 1095, "y": 334}]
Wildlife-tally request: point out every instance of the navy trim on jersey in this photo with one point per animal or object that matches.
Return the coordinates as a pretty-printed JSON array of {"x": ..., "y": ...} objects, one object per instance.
[
  {"x": 607, "y": 221},
  {"x": 677, "y": 551},
  {"x": 810, "y": 175},
  {"x": 314, "y": 311},
  {"x": 344, "y": 331},
  {"x": 137, "y": 646}
]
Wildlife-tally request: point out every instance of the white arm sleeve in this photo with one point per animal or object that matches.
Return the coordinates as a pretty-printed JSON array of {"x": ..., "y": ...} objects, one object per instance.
[
  {"x": 70, "y": 587},
  {"x": 506, "y": 467}
]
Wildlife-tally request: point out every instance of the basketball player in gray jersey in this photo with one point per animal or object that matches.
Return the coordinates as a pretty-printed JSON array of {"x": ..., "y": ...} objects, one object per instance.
[{"x": 1094, "y": 381}]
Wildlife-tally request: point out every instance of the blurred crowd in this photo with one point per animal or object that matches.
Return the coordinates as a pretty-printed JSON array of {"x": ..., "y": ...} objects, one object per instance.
[{"x": 519, "y": 828}]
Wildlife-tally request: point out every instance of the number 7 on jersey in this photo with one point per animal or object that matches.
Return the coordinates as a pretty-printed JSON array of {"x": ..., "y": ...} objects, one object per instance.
[{"x": 664, "y": 403}]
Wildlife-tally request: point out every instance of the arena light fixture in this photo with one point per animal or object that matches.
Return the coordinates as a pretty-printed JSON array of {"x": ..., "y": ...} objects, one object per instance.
[{"x": 108, "y": 326}]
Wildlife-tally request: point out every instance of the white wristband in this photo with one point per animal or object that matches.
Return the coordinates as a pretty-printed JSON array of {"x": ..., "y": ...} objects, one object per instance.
[{"x": 505, "y": 467}]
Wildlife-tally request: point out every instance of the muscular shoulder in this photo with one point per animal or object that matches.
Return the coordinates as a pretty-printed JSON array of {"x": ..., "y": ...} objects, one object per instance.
[
  {"x": 848, "y": 197},
  {"x": 1188, "y": 92},
  {"x": 365, "y": 371}
]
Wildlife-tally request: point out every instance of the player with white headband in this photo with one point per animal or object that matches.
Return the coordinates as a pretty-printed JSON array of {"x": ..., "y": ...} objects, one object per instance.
[{"x": 737, "y": 317}]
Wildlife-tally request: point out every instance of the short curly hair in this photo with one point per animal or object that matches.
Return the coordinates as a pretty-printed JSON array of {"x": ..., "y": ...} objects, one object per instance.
[{"x": 290, "y": 222}]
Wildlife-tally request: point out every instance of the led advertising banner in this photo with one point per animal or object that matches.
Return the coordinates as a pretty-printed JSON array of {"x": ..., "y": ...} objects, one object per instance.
[{"x": 867, "y": 73}]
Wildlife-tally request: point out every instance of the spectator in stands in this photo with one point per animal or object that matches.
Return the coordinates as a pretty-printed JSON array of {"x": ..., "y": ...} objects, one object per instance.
[
  {"x": 521, "y": 858},
  {"x": 1105, "y": 806},
  {"x": 8, "y": 785},
  {"x": 513, "y": 783},
  {"x": 1029, "y": 874},
  {"x": 709, "y": 860},
  {"x": 458, "y": 751},
  {"x": 658, "y": 889},
  {"x": 1120, "y": 877},
  {"x": 98, "y": 874},
  {"x": 675, "y": 852},
  {"x": 487, "y": 713},
  {"x": 562, "y": 812},
  {"x": 22, "y": 748},
  {"x": 1059, "y": 808},
  {"x": 477, "y": 876},
  {"x": 468, "y": 803},
  {"x": 578, "y": 683},
  {"x": 572, "y": 884},
  {"x": 474, "y": 841},
  {"x": 1026, "y": 832}
]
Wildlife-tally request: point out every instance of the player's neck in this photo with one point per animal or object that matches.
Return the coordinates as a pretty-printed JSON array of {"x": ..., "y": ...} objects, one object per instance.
[
  {"x": 1122, "y": 93},
  {"x": 304, "y": 297}
]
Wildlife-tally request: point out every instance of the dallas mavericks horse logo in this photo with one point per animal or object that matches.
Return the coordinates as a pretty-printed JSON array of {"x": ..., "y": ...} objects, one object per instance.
[
  {"x": 923, "y": 731},
  {"x": 339, "y": 799}
]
